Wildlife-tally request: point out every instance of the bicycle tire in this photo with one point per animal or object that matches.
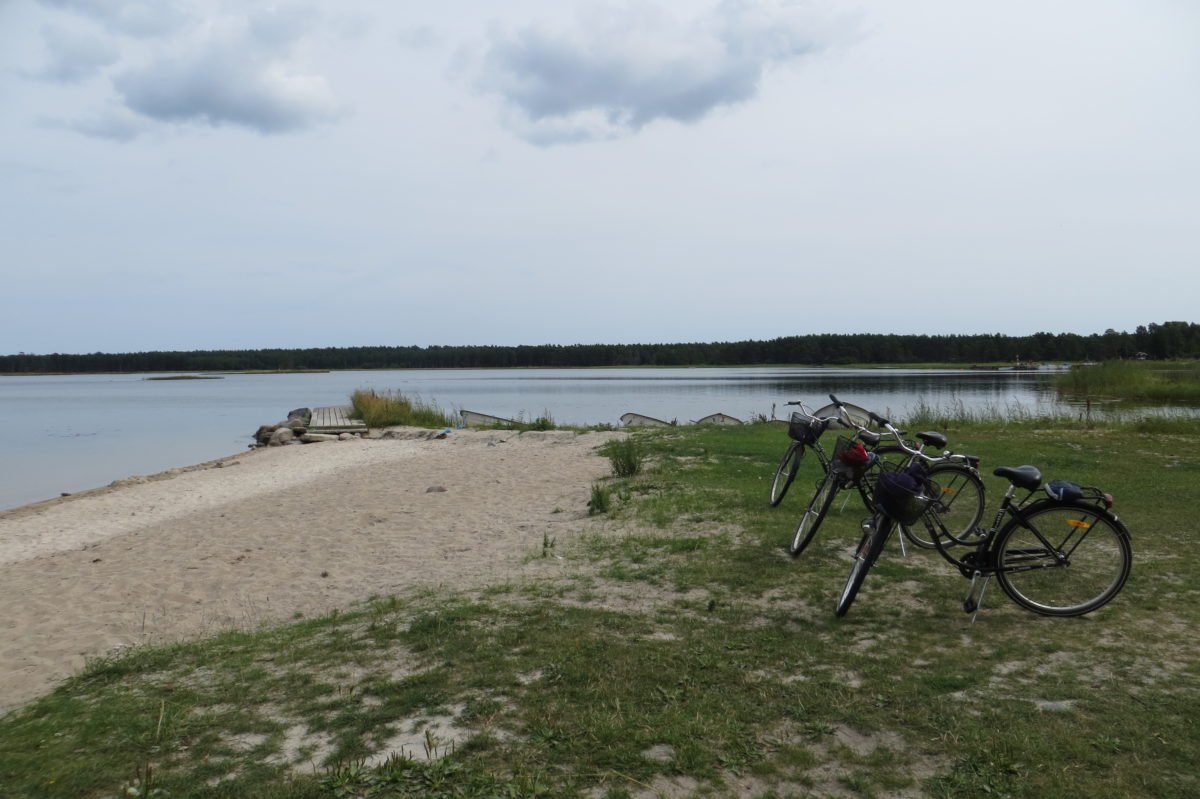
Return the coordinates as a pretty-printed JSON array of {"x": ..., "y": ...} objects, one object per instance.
[
  {"x": 814, "y": 514},
  {"x": 1090, "y": 563},
  {"x": 786, "y": 473},
  {"x": 869, "y": 549},
  {"x": 957, "y": 512}
]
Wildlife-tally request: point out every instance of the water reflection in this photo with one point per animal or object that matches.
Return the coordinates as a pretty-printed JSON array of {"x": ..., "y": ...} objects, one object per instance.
[{"x": 588, "y": 396}]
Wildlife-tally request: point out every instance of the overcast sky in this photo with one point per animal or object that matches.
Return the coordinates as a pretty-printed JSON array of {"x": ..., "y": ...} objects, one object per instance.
[{"x": 205, "y": 174}]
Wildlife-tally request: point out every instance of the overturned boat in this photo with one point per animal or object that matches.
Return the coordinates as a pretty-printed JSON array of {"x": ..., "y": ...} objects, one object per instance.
[{"x": 638, "y": 420}]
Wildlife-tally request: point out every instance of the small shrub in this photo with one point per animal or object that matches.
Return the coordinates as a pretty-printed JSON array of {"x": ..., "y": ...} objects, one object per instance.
[
  {"x": 601, "y": 499},
  {"x": 626, "y": 457}
]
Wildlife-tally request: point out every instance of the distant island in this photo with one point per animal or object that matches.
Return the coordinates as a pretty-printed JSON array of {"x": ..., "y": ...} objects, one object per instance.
[{"x": 1158, "y": 341}]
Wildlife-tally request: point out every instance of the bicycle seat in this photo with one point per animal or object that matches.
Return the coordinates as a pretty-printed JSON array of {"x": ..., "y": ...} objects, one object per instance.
[
  {"x": 1027, "y": 477},
  {"x": 933, "y": 439}
]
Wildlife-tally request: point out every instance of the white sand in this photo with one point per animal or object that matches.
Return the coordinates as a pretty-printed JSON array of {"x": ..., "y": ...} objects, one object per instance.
[{"x": 262, "y": 536}]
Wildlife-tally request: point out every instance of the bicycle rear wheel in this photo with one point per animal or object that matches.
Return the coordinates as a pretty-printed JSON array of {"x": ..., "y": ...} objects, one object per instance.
[
  {"x": 786, "y": 472},
  {"x": 1066, "y": 559},
  {"x": 956, "y": 513},
  {"x": 869, "y": 548},
  {"x": 814, "y": 514}
]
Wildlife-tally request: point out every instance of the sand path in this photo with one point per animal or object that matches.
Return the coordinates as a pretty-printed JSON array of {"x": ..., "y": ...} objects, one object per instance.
[{"x": 265, "y": 535}]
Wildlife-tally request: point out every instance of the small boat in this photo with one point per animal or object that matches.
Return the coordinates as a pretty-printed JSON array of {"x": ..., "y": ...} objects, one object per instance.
[
  {"x": 859, "y": 415},
  {"x": 638, "y": 420},
  {"x": 474, "y": 419},
  {"x": 718, "y": 418}
]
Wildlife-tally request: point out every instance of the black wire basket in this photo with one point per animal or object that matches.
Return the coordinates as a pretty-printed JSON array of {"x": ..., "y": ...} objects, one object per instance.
[
  {"x": 903, "y": 493},
  {"x": 805, "y": 429}
]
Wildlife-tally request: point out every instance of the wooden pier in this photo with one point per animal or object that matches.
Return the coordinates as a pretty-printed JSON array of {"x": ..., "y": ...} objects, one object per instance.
[{"x": 335, "y": 419}]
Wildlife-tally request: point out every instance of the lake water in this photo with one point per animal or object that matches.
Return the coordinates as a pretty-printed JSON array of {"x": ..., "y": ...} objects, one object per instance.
[{"x": 68, "y": 433}]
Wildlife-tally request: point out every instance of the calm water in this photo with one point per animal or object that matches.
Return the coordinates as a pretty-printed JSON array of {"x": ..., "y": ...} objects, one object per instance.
[{"x": 74, "y": 432}]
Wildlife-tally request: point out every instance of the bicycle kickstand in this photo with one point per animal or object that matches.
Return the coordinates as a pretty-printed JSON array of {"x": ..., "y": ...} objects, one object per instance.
[{"x": 974, "y": 602}]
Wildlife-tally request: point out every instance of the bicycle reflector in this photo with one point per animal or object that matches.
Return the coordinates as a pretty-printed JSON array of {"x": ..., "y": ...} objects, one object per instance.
[{"x": 1108, "y": 500}]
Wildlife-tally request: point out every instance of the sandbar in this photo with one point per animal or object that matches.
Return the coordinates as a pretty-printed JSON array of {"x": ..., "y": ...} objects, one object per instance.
[{"x": 275, "y": 532}]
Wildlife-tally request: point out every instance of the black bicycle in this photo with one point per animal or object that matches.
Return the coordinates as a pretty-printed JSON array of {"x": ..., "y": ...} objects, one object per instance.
[
  {"x": 1064, "y": 554},
  {"x": 962, "y": 500},
  {"x": 805, "y": 428},
  {"x": 959, "y": 504}
]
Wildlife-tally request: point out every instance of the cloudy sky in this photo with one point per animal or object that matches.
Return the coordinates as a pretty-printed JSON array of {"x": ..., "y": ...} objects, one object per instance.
[{"x": 208, "y": 174}]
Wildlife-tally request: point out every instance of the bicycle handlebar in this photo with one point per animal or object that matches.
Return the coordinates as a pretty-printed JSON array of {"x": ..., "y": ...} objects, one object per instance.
[{"x": 845, "y": 418}]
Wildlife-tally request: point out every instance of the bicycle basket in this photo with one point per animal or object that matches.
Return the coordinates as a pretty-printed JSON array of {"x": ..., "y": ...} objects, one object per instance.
[
  {"x": 903, "y": 494},
  {"x": 805, "y": 429},
  {"x": 851, "y": 456}
]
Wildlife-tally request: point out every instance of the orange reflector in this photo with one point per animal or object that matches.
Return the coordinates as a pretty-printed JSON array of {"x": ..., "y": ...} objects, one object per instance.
[{"x": 1077, "y": 523}]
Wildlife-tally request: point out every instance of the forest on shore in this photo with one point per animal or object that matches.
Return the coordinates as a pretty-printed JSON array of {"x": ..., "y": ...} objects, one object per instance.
[{"x": 1157, "y": 341}]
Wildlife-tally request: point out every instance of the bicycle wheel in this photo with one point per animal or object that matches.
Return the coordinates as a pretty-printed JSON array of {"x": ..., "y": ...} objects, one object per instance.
[
  {"x": 814, "y": 514},
  {"x": 956, "y": 513},
  {"x": 786, "y": 472},
  {"x": 865, "y": 556},
  {"x": 1065, "y": 559}
]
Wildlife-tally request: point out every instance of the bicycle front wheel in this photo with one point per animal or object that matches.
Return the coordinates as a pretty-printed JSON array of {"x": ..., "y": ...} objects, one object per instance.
[
  {"x": 814, "y": 514},
  {"x": 955, "y": 514},
  {"x": 1065, "y": 559},
  {"x": 869, "y": 549},
  {"x": 786, "y": 472}
]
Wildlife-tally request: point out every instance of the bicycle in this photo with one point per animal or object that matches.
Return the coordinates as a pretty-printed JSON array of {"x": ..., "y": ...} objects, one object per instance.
[
  {"x": 960, "y": 502},
  {"x": 805, "y": 429},
  {"x": 847, "y": 467},
  {"x": 964, "y": 498},
  {"x": 1066, "y": 554}
]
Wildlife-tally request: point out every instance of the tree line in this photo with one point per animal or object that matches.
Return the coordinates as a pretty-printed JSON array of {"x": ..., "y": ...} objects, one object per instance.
[{"x": 1160, "y": 341}]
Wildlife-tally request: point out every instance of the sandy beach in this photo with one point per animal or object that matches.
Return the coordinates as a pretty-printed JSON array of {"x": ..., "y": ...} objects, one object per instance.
[{"x": 262, "y": 536}]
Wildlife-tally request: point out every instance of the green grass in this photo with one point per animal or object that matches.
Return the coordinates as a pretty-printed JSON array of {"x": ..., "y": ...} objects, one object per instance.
[
  {"x": 1157, "y": 381},
  {"x": 686, "y": 655},
  {"x": 390, "y": 409},
  {"x": 625, "y": 455}
]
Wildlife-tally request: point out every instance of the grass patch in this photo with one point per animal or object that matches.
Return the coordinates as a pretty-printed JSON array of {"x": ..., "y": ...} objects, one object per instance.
[
  {"x": 1156, "y": 381},
  {"x": 691, "y": 657},
  {"x": 601, "y": 499},
  {"x": 626, "y": 456},
  {"x": 391, "y": 409}
]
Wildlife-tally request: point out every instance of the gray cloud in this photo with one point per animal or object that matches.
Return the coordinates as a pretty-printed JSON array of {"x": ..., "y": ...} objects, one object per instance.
[
  {"x": 238, "y": 74},
  {"x": 222, "y": 87},
  {"x": 620, "y": 70}
]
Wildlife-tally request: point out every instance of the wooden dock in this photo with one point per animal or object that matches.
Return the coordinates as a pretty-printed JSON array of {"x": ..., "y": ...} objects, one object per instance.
[{"x": 335, "y": 419}]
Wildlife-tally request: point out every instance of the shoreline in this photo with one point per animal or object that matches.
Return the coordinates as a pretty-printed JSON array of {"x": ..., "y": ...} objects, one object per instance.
[
  {"x": 273, "y": 533},
  {"x": 166, "y": 474}
]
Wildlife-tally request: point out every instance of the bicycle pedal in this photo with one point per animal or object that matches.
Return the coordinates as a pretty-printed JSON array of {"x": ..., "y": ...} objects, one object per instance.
[{"x": 970, "y": 605}]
